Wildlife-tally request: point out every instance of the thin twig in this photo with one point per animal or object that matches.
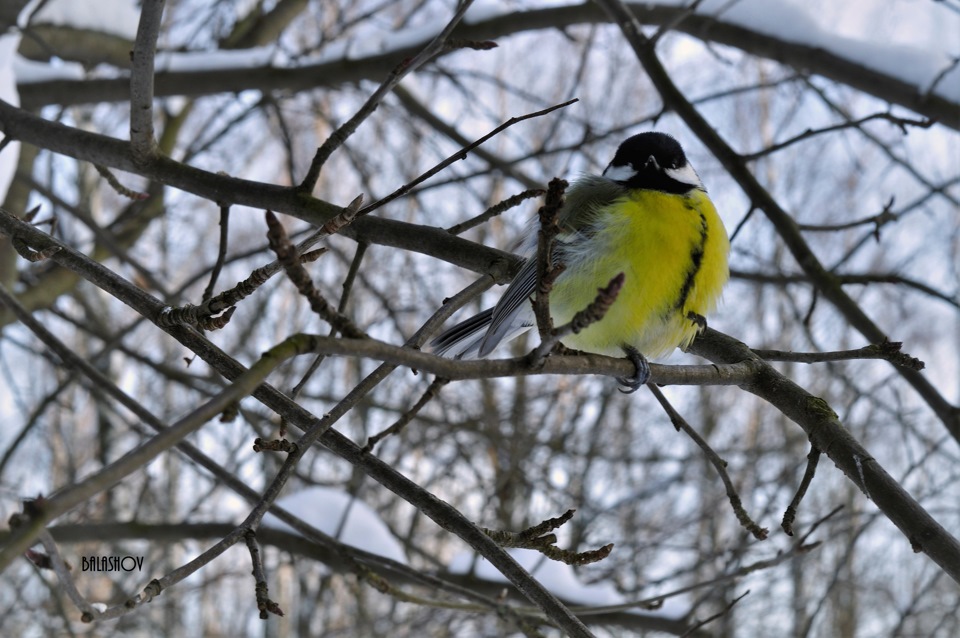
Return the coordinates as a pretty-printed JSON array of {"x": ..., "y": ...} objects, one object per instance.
[
  {"x": 547, "y": 269},
  {"x": 495, "y": 210},
  {"x": 541, "y": 538},
  {"x": 863, "y": 279},
  {"x": 909, "y": 166},
  {"x": 798, "y": 550},
  {"x": 397, "y": 426},
  {"x": 290, "y": 260},
  {"x": 879, "y": 220},
  {"x": 264, "y": 605},
  {"x": 119, "y": 188},
  {"x": 460, "y": 155},
  {"x": 105, "y": 237},
  {"x": 221, "y": 252},
  {"x": 719, "y": 614},
  {"x": 790, "y": 515},
  {"x": 593, "y": 313},
  {"x": 887, "y": 351},
  {"x": 30, "y": 254},
  {"x": 719, "y": 464},
  {"x": 65, "y": 576},
  {"x": 802, "y": 542},
  {"x": 338, "y": 137},
  {"x": 674, "y": 22},
  {"x": 954, "y": 61},
  {"x": 901, "y": 122},
  {"x": 416, "y": 107},
  {"x": 190, "y": 314},
  {"x": 342, "y": 309}
]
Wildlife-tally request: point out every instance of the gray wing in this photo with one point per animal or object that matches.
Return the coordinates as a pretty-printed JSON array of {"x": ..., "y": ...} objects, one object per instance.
[
  {"x": 463, "y": 340},
  {"x": 506, "y": 316},
  {"x": 588, "y": 194},
  {"x": 479, "y": 335}
]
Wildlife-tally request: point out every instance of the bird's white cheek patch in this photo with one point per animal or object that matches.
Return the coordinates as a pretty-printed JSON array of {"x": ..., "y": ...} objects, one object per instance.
[
  {"x": 620, "y": 173},
  {"x": 685, "y": 175}
]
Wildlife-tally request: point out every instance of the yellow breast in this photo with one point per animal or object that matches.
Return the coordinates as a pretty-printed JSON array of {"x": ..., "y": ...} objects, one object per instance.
[{"x": 672, "y": 250}]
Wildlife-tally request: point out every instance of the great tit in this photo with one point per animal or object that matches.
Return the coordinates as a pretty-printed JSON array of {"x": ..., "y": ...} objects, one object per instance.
[{"x": 647, "y": 216}]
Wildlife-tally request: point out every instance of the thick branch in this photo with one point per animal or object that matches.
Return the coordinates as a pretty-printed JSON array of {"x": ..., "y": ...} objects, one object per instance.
[
  {"x": 226, "y": 190},
  {"x": 142, "y": 140},
  {"x": 806, "y": 57},
  {"x": 828, "y": 435},
  {"x": 744, "y": 369},
  {"x": 440, "y": 512},
  {"x": 784, "y": 223}
]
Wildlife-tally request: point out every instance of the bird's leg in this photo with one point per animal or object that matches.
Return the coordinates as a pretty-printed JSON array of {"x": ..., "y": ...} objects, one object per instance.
[
  {"x": 641, "y": 372},
  {"x": 698, "y": 319}
]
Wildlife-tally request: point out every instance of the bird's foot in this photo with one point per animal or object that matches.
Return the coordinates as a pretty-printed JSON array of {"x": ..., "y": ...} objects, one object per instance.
[
  {"x": 698, "y": 319},
  {"x": 641, "y": 372}
]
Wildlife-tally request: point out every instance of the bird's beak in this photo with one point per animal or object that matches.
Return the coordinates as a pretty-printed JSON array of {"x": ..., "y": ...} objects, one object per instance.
[{"x": 652, "y": 163}]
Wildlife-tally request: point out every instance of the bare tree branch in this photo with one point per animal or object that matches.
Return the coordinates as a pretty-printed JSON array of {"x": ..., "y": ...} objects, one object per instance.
[
  {"x": 142, "y": 142},
  {"x": 814, "y": 59},
  {"x": 784, "y": 223}
]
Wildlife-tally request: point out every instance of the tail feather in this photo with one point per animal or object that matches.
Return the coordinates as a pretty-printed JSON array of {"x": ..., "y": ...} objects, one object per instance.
[{"x": 464, "y": 340}]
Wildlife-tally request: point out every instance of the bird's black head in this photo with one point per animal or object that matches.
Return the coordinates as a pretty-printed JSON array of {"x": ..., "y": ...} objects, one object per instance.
[{"x": 653, "y": 161}]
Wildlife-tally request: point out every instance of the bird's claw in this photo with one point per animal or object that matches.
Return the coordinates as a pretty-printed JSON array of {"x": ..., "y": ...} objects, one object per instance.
[
  {"x": 698, "y": 319},
  {"x": 641, "y": 372}
]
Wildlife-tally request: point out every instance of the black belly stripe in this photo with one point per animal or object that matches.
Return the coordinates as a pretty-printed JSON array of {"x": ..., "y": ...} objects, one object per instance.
[{"x": 696, "y": 259}]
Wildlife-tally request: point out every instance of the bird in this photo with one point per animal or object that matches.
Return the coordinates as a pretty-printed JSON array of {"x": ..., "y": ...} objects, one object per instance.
[{"x": 647, "y": 216}]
